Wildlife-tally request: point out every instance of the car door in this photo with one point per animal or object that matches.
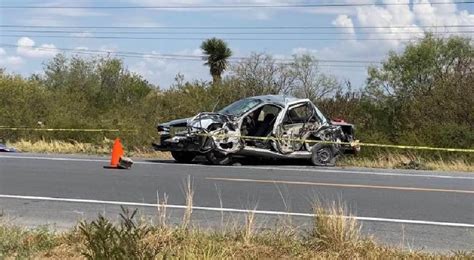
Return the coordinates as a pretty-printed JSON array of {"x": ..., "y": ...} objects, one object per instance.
[{"x": 292, "y": 127}]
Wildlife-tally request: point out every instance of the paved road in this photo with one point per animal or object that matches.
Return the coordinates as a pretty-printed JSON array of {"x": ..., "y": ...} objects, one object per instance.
[{"x": 426, "y": 209}]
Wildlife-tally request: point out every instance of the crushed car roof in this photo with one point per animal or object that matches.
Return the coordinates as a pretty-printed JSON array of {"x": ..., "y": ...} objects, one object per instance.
[{"x": 281, "y": 100}]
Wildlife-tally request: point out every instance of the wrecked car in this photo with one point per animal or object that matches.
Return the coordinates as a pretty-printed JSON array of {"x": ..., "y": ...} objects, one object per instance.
[{"x": 272, "y": 126}]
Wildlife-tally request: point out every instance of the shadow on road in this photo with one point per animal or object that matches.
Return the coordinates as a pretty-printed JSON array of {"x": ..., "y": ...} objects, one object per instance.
[{"x": 247, "y": 161}]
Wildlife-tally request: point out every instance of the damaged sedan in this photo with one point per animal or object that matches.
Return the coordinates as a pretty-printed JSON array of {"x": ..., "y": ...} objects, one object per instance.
[{"x": 271, "y": 126}]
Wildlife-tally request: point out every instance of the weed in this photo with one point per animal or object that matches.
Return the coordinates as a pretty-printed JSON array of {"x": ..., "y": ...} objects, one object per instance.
[
  {"x": 333, "y": 228},
  {"x": 401, "y": 161},
  {"x": 162, "y": 213},
  {"x": 104, "y": 240},
  {"x": 23, "y": 243},
  {"x": 189, "y": 194},
  {"x": 334, "y": 236}
]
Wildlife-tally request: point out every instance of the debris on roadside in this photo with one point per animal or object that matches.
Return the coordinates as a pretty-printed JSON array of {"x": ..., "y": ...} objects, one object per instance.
[
  {"x": 5, "y": 149},
  {"x": 125, "y": 163},
  {"x": 412, "y": 165}
]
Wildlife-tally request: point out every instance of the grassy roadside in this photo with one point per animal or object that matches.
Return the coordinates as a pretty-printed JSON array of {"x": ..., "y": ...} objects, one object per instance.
[
  {"x": 383, "y": 160},
  {"x": 73, "y": 147},
  {"x": 332, "y": 236},
  {"x": 401, "y": 161}
]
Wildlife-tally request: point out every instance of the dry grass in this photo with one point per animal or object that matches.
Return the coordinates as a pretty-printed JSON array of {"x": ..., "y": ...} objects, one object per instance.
[
  {"x": 189, "y": 195},
  {"x": 162, "y": 212},
  {"x": 249, "y": 230},
  {"x": 20, "y": 243},
  {"x": 455, "y": 165},
  {"x": 335, "y": 228},
  {"x": 73, "y": 147},
  {"x": 401, "y": 161},
  {"x": 333, "y": 235}
]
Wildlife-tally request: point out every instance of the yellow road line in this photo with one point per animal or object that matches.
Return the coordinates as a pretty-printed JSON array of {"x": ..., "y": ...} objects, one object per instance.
[{"x": 342, "y": 185}]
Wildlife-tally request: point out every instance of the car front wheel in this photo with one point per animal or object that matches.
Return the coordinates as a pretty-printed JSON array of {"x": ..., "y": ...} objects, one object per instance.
[
  {"x": 183, "y": 157},
  {"x": 218, "y": 158},
  {"x": 323, "y": 155}
]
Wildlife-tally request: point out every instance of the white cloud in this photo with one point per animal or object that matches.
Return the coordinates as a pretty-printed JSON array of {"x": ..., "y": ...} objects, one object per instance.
[
  {"x": 407, "y": 21},
  {"x": 82, "y": 34},
  {"x": 14, "y": 61},
  {"x": 345, "y": 22},
  {"x": 340, "y": 10},
  {"x": 110, "y": 48},
  {"x": 392, "y": 24},
  {"x": 43, "y": 20},
  {"x": 26, "y": 47},
  {"x": 163, "y": 71},
  {"x": 192, "y": 52},
  {"x": 250, "y": 13},
  {"x": 152, "y": 58},
  {"x": 57, "y": 17},
  {"x": 441, "y": 15},
  {"x": 9, "y": 61},
  {"x": 73, "y": 12},
  {"x": 76, "y": 12},
  {"x": 301, "y": 51},
  {"x": 135, "y": 20}
]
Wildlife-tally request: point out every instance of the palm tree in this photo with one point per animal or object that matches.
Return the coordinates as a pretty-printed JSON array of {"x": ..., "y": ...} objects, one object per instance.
[{"x": 217, "y": 55}]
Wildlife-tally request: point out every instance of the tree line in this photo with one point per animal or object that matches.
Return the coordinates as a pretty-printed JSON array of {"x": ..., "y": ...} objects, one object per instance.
[{"x": 423, "y": 95}]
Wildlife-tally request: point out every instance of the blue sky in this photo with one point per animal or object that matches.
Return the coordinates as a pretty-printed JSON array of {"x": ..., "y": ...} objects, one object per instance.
[{"x": 399, "y": 22}]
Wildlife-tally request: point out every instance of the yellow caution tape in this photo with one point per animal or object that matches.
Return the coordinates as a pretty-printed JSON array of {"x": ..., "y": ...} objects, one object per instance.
[
  {"x": 356, "y": 143},
  {"x": 63, "y": 129}
]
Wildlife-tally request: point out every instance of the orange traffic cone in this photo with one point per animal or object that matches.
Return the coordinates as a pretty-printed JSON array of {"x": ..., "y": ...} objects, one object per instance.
[{"x": 117, "y": 152}]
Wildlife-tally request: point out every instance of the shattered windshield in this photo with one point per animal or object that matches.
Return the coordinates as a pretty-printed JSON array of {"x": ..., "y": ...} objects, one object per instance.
[{"x": 240, "y": 107}]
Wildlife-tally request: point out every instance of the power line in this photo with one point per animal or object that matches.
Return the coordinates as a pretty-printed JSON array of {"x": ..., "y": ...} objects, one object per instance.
[
  {"x": 194, "y": 6},
  {"x": 238, "y": 27},
  {"x": 201, "y": 39},
  {"x": 142, "y": 55},
  {"x": 233, "y": 33}
]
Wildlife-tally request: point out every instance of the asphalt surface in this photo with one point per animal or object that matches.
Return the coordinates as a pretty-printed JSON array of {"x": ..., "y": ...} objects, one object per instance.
[{"x": 419, "y": 209}]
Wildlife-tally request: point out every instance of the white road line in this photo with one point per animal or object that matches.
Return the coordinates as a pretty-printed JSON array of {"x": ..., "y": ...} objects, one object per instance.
[
  {"x": 231, "y": 210},
  {"x": 249, "y": 167}
]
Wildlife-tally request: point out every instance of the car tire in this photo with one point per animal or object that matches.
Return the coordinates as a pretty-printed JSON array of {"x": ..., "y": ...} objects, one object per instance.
[
  {"x": 183, "y": 157},
  {"x": 323, "y": 155},
  {"x": 218, "y": 158}
]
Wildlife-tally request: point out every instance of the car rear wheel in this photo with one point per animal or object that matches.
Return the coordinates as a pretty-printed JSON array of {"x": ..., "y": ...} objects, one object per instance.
[
  {"x": 218, "y": 158},
  {"x": 323, "y": 155},
  {"x": 183, "y": 157}
]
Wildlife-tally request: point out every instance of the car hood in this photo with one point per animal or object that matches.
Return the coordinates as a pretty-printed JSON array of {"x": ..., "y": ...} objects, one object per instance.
[
  {"x": 203, "y": 119},
  {"x": 176, "y": 122}
]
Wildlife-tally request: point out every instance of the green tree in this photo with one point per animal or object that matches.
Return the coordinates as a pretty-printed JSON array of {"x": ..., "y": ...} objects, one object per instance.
[
  {"x": 260, "y": 74},
  {"x": 427, "y": 92},
  {"x": 308, "y": 81},
  {"x": 217, "y": 55}
]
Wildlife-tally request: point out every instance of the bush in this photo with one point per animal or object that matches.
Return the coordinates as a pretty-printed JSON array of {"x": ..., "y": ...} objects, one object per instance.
[{"x": 104, "y": 240}]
